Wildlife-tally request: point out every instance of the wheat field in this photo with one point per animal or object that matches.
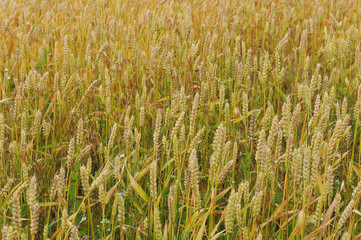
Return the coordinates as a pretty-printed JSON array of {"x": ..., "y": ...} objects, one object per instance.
[{"x": 183, "y": 119}]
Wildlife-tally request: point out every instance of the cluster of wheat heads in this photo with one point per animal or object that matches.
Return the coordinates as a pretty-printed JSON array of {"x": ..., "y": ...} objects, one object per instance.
[{"x": 178, "y": 119}]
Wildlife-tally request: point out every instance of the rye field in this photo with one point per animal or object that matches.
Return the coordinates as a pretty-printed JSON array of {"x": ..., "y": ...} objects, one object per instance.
[{"x": 183, "y": 119}]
